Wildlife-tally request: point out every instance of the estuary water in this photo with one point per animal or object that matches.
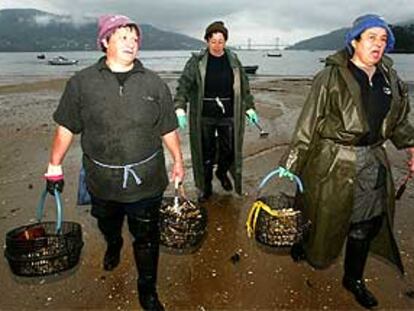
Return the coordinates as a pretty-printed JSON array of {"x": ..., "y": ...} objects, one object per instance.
[{"x": 26, "y": 67}]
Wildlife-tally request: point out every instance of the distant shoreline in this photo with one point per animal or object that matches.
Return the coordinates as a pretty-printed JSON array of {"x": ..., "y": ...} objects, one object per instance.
[{"x": 57, "y": 84}]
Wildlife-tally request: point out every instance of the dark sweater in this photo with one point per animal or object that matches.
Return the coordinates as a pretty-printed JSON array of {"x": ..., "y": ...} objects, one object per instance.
[
  {"x": 218, "y": 83},
  {"x": 376, "y": 101},
  {"x": 119, "y": 125}
]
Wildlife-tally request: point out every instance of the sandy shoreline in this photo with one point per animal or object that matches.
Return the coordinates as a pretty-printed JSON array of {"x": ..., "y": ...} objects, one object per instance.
[{"x": 206, "y": 280}]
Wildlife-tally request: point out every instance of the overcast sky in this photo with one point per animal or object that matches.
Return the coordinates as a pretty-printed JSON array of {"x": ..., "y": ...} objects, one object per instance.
[{"x": 261, "y": 20}]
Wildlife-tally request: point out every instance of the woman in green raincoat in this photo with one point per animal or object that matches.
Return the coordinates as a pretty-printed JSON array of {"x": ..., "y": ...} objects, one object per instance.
[
  {"x": 356, "y": 103},
  {"x": 214, "y": 84}
]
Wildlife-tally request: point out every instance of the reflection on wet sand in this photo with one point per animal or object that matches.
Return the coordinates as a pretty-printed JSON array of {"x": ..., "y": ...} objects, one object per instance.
[{"x": 229, "y": 271}]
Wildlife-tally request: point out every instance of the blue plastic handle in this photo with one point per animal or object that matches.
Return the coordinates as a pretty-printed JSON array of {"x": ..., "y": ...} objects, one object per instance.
[
  {"x": 59, "y": 209},
  {"x": 276, "y": 172}
]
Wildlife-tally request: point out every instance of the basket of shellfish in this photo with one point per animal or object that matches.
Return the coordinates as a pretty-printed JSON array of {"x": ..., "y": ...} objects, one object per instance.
[
  {"x": 45, "y": 247},
  {"x": 277, "y": 220},
  {"x": 183, "y": 224}
]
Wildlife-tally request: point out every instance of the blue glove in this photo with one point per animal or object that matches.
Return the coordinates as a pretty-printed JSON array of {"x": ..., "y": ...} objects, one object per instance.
[
  {"x": 182, "y": 122},
  {"x": 252, "y": 116},
  {"x": 182, "y": 118}
]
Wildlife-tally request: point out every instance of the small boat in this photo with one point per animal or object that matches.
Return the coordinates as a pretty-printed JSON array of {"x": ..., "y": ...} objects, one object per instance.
[
  {"x": 274, "y": 54},
  {"x": 61, "y": 60},
  {"x": 250, "y": 69},
  {"x": 41, "y": 56}
]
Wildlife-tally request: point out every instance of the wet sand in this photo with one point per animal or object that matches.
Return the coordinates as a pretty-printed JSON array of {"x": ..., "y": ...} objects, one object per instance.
[{"x": 207, "y": 279}]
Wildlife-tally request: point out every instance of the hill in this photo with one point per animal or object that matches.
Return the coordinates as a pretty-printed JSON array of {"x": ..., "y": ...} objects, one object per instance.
[
  {"x": 404, "y": 34},
  {"x": 31, "y": 30}
]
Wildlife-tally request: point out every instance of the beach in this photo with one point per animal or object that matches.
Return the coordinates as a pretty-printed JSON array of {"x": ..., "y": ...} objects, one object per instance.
[{"x": 207, "y": 279}]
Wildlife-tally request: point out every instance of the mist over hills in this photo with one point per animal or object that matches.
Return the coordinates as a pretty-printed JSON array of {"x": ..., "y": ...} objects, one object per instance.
[
  {"x": 29, "y": 30},
  {"x": 404, "y": 35}
]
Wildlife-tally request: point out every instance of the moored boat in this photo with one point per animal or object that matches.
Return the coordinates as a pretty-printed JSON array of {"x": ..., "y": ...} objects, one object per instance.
[
  {"x": 250, "y": 69},
  {"x": 274, "y": 54},
  {"x": 61, "y": 60}
]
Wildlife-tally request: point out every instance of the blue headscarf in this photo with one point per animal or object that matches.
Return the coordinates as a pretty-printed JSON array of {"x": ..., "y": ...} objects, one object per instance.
[{"x": 368, "y": 21}]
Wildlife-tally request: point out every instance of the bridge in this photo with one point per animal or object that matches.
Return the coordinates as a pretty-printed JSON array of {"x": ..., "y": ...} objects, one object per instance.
[{"x": 250, "y": 45}]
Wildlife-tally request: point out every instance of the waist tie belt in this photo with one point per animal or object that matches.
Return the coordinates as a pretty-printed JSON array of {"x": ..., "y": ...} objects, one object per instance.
[
  {"x": 353, "y": 146},
  {"x": 218, "y": 101},
  {"x": 128, "y": 169}
]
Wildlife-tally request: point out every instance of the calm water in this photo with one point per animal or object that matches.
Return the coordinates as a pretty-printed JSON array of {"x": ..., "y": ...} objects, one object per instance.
[{"x": 21, "y": 67}]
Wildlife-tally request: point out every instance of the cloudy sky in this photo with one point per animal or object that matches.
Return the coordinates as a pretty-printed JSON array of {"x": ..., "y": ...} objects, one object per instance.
[{"x": 263, "y": 21}]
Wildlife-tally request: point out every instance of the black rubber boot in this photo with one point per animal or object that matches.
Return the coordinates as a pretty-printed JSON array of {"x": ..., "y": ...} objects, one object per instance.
[
  {"x": 362, "y": 295},
  {"x": 207, "y": 192},
  {"x": 143, "y": 224},
  {"x": 355, "y": 258},
  {"x": 112, "y": 255},
  {"x": 224, "y": 180},
  {"x": 111, "y": 228},
  {"x": 205, "y": 195},
  {"x": 146, "y": 259},
  {"x": 297, "y": 252}
]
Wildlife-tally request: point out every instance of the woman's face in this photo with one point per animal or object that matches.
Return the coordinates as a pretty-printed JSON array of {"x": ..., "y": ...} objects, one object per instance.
[
  {"x": 122, "y": 46},
  {"x": 370, "y": 48},
  {"x": 216, "y": 44}
]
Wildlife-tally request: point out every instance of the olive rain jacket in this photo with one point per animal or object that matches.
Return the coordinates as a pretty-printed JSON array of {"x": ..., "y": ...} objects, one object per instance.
[
  {"x": 322, "y": 153},
  {"x": 191, "y": 89}
]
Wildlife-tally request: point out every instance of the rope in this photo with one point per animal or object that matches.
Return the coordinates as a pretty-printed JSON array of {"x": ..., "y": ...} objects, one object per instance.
[
  {"x": 128, "y": 169},
  {"x": 254, "y": 214}
]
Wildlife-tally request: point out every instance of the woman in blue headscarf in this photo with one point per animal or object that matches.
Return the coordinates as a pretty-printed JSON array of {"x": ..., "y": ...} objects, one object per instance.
[{"x": 356, "y": 103}]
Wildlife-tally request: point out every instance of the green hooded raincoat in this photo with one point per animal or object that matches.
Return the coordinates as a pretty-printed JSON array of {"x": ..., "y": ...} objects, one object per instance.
[
  {"x": 191, "y": 90},
  {"x": 322, "y": 153}
]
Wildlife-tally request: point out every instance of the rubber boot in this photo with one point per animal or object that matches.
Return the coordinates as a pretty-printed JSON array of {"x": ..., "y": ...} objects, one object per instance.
[
  {"x": 224, "y": 180},
  {"x": 146, "y": 259},
  {"x": 355, "y": 259},
  {"x": 226, "y": 153},
  {"x": 112, "y": 255},
  {"x": 297, "y": 253},
  {"x": 206, "y": 193},
  {"x": 111, "y": 228}
]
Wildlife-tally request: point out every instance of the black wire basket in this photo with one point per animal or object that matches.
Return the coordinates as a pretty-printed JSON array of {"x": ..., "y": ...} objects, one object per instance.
[
  {"x": 278, "y": 220},
  {"x": 183, "y": 224},
  {"x": 44, "y": 248}
]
